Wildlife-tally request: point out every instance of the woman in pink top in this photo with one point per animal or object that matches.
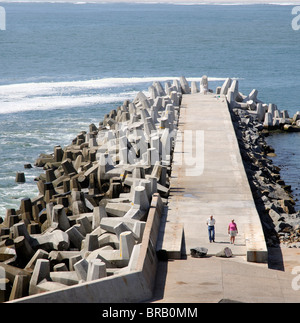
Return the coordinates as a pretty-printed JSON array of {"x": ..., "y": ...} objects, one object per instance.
[{"x": 232, "y": 231}]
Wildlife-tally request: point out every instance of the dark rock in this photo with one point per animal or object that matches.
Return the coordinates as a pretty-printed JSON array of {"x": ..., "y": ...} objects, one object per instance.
[
  {"x": 284, "y": 227},
  {"x": 199, "y": 252}
]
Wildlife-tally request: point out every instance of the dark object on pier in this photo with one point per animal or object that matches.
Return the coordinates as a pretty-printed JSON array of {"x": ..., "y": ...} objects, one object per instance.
[{"x": 199, "y": 252}]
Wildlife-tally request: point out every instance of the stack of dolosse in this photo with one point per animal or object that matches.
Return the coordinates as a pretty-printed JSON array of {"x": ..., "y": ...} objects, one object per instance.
[{"x": 94, "y": 197}]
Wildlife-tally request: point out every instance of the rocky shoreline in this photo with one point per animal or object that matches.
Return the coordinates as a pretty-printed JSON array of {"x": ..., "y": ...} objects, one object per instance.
[{"x": 273, "y": 198}]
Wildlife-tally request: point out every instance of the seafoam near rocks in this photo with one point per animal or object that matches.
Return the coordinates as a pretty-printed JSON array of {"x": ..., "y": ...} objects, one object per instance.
[{"x": 94, "y": 197}]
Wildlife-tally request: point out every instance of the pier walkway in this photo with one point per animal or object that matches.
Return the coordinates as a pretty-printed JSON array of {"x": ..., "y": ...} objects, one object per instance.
[{"x": 208, "y": 178}]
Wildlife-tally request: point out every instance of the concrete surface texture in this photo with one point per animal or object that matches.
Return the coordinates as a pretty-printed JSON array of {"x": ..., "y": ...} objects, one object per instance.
[
  {"x": 209, "y": 179},
  {"x": 214, "y": 280}
]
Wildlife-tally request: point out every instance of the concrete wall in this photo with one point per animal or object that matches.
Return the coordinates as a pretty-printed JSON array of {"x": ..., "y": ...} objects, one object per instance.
[
  {"x": 256, "y": 248},
  {"x": 134, "y": 286}
]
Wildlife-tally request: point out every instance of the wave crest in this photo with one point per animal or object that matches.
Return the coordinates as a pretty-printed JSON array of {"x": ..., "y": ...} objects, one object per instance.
[{"x": 60, "y": 95}]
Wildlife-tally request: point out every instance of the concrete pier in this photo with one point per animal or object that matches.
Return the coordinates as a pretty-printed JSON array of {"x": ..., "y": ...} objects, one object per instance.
[
  {"x": 105, "y": 232},
  {"x": 220, "y": 189},
  {"x": 208, "y": 178}
]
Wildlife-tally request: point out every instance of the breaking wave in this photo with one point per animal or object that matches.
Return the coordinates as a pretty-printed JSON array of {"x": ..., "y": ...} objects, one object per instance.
[{"x": 62, "y": 95}]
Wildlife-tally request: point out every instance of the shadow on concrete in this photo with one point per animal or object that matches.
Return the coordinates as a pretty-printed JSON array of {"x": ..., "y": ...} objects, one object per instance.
[
  {"x": 226, "y": 300},
  {"x": 183, "y": 247},
  {"x": 221, "y": 242},
  {"x": 275, "y": 259},
  {"x": 176, "y": 190},
  {"x": 162, "y": 270},
  {"x": 160, "y": 281}
]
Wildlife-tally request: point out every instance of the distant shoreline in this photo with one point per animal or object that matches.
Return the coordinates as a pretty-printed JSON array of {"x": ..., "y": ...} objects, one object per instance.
[{"x": 174, "y": 2}]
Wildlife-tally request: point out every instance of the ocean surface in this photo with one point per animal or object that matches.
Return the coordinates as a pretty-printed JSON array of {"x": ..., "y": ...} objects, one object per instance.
[{"x": 63, "y": 66}]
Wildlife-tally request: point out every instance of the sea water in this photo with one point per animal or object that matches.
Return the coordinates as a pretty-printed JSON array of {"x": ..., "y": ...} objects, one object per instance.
[{"x": 64, "y": 65}]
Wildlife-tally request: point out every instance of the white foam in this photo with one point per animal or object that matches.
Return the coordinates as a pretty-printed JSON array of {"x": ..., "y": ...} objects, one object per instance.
[
  {"x": 59, "y": 102},
  {"x": 50, "y": 87},
  {"x": 61, "y": 95},
  {"x": 42, "y": 88}
]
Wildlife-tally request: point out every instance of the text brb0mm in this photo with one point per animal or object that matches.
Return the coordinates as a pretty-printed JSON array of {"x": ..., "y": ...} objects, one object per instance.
[
  {"x": 2, "y": 19},
  {"x": 296, "y": 20}
]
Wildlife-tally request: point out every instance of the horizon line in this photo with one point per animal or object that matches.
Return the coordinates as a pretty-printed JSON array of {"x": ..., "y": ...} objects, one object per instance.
[{"x": 167, "y": 2}]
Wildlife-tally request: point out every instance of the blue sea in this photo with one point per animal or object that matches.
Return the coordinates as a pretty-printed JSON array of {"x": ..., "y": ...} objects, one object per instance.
[{"x": 64, "y": 65}]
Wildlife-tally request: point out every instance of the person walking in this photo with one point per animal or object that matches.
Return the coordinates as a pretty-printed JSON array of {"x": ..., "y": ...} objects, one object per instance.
[
  {"x": 211, "y": 228},
  {"x": 232, "y": 231}
]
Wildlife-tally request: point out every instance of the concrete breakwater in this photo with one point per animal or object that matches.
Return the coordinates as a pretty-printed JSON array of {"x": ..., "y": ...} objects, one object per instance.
[
  {"x": 268, "y": 114},
  {"x": 100, "y": 197},
  {"x": 89, "y": 219},
  {"x": 252, "y": 120}
]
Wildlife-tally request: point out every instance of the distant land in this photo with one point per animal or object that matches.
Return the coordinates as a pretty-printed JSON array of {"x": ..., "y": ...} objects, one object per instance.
[{"x": 176, "y": 2}]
